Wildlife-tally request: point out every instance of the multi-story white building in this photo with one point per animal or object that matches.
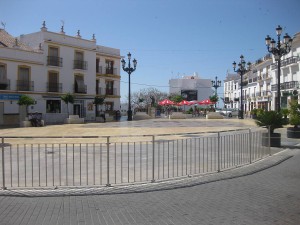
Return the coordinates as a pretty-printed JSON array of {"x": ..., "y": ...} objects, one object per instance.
[
  {"x": 260, "y": 84},
  {"x": 191, "y": 87},
  {"x": 45, "y": 65}
]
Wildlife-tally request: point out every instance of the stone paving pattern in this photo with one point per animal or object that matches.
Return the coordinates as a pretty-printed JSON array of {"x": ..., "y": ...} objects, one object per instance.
[{"x": 263, "y": 193}]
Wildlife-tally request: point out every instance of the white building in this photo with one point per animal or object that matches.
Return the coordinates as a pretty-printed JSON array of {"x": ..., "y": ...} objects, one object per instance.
[
  {"x": 45, "y": 65},
  {"x": 260, "y": 84},
  {"x": 191, "y": 87}
]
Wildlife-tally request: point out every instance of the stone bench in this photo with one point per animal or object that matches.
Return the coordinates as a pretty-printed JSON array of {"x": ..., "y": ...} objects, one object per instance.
[
  {"x": 141, "y": 116},
  {"x": 74, "y": 119},
  {"x": 177, "y": 115},
  {"x": 214, "y": 115}
]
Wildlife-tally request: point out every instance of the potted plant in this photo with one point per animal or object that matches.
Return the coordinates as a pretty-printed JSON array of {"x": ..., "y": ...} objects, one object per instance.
[
  {"x": 294, "y": 119},
  {"x": 285, "y": 113},
  {"x": 270, "y": 120},
  {"x": 26, "y": 101},
  {"x": 253, "y": 113}
]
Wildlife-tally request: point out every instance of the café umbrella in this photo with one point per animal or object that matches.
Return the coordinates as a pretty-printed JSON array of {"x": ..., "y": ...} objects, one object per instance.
[{"x": 166, "y": 102}]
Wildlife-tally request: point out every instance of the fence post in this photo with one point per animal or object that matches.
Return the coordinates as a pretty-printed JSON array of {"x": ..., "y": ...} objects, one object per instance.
[
  {"x": 269, "y": 134},
  {"x": 250, "y": 150},
  {"x": 219, "y": 152},
  {"x": 107, "y": 144},
  {"x": 153, "y": 159},
  {"x": 3, "y": 165}
]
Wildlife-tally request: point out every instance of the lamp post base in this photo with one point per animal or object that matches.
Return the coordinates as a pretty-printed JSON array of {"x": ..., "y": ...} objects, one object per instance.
[
  {"x": 129, "y": 113},
  {"x": 241, "y": 114}
]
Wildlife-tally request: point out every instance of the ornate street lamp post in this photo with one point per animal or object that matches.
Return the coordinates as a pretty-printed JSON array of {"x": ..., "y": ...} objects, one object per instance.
[
  {"x": 241, "y": 70},
  {"x": 216, "y": 84},
  {"x": 129, "y": 70},
  {"x": 278, "y": 50}
]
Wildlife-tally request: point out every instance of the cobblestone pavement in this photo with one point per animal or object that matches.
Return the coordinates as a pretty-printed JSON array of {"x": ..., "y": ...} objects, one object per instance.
[{"x": 271, "y": 196}]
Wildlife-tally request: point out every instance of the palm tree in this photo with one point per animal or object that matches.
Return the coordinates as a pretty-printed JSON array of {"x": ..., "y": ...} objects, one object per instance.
[{"x": 68, "y": 98}]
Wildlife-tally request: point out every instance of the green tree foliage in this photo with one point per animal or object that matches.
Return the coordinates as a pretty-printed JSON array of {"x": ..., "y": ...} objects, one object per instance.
[
  {"x": 176, "y": 98},
  {"x": 27, "y": 101},
  {"x": 68, "y": 98},
  {"x": 214, "y": 98}
]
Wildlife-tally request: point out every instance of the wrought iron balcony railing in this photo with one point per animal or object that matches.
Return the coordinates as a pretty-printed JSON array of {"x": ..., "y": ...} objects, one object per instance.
[
  {"x": 54, "y": 61},
  {"x": 79, "y": 64},
  {"x": 4, "y": 84},
  {"x": 24, "y": 85},
  {"x": 80, "y": 89},
  {"x": 285, "y": 85},
  {"x": 54, "y": 87}
]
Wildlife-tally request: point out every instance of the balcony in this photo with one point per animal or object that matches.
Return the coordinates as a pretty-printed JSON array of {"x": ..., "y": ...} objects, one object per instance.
[
  {"x": 80, "y": 89},
  {"x": 54, "y": 87},
  {"x": 112, "y": 91},
  {"x": 286, "y": 62},
  {"x": 54, "y": 61},
  {"x": 24, "y": 85},
  {"x": 285, "y": 85},
  {"x": 107, "y": 71},
  {"x": 80, "y": 65},
  {"x": 4, "y": 84}
]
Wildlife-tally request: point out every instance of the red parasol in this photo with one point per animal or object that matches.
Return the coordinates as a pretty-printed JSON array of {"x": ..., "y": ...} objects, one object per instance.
[
  {"x": 206, "y": 102},
  {"x": 166, "y": 102},
  {"x": 183, "y": 102}
]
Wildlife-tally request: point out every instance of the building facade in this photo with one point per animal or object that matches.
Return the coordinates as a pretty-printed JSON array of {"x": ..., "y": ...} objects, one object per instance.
[
  {"x": 46, "y": 65},
  {"x": 191, "y": 87},
  {"x": 260, "y": 84}
]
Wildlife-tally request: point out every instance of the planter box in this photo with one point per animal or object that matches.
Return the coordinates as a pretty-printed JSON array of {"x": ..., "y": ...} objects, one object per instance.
[
  {"x": 292, "y": 132},
  {"x": 274, "y": 142}
]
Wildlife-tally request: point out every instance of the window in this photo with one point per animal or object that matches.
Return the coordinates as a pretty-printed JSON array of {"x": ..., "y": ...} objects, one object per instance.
[
  {"x": 109, "y": 66},
  {"x": 3, "y": 78},
  {"x": 53, "y": 106},
  {"x": 53, "y": 57},
  {"x": 79, "y": 62},
  {"x": 80, "y": 87},
  {"x": 98, "y": 70},
  {"x": 109, "y": 87},
  {"x": 24, "y": 83},
  {"x": 53, "y": 85},
  {"x": 109, "y": 106}
]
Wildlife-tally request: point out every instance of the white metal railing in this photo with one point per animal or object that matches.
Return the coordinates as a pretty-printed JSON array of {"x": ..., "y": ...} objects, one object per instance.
[{"x": 100, "y": 160}]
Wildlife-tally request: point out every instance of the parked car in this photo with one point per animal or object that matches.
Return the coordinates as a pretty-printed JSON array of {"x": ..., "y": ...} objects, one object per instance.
[{"x": 228, "y": 112}]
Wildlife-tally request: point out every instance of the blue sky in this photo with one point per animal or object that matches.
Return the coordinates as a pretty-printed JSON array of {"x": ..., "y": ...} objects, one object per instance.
[{"x": 167, "y": 37}]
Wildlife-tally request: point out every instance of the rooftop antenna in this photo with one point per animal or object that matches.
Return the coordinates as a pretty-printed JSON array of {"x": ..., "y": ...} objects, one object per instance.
[
  {"x": 62, "y": 27},
  {"x": 3, "y": 25}
]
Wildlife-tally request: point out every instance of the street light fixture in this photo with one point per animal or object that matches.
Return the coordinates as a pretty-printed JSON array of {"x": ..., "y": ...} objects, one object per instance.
[
  {"x": 129, "y": 70},
  {"x": 241, "y": 70},
  {"x": 278, "y": 50},
  {"x": 216, "y": 84}
]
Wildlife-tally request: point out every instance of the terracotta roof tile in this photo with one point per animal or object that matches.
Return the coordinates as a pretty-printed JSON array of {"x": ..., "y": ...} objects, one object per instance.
[{"x": 6, "y": 40}]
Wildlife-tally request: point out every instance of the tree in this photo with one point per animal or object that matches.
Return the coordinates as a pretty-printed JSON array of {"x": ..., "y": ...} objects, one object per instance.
[
  {"x": 27, "y": 101},
  {"x": 98, "y": 101},
  {"x": 68, "y": 98},
  {"x": 142, "y": 98},
  {"x": 175, "y": 97}
]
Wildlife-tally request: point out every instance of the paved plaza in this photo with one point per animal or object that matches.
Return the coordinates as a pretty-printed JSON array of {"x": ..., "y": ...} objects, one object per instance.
[{"x": 266, "y": 192}]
